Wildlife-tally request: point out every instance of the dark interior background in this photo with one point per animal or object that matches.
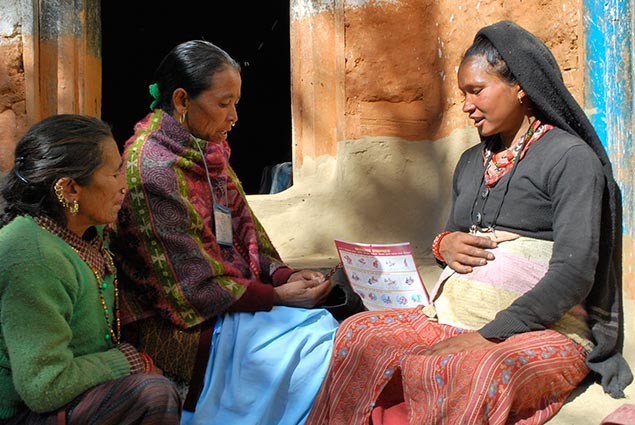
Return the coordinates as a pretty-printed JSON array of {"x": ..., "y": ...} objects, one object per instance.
[{"x": 136, "y": 37}]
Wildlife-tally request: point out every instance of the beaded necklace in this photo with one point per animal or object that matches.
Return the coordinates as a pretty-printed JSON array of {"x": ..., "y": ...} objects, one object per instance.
[
  {"x": 493, "y": 173},
  {"x": 102, "y": 285},
  {"x": 82, "y": 249}
]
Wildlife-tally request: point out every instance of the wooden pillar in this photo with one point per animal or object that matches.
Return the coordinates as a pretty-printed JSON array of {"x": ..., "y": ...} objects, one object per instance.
[{"x": 317, "y": 78}]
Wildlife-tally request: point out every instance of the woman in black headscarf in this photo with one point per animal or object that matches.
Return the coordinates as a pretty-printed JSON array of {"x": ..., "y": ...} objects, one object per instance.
[{"x": 529, "y": 300}]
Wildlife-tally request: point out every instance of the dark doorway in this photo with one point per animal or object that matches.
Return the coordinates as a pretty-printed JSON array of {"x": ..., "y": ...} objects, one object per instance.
[{"x": 136, "y": 35}]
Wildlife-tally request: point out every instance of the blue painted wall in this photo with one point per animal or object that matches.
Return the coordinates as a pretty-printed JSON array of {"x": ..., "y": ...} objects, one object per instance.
[{"x": 609, "y": 88}]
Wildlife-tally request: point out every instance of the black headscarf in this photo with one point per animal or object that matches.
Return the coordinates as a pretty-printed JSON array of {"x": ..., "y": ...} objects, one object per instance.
[{"x": 538, "y": 73}]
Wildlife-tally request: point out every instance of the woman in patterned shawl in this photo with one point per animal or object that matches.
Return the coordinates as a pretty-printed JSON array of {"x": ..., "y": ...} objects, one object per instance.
[
  {"x": 528, "y": 303},
  {"x": 195, "y": 261}
]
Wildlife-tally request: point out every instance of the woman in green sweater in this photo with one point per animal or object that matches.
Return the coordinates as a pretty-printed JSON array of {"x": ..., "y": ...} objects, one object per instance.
[{"x": 61, "y": 357}]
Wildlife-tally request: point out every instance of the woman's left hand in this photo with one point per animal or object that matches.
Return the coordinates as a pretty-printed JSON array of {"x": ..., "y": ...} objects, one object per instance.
[
  {"x": 469, "y": 341},
  {"x": 306, "y": 275}
]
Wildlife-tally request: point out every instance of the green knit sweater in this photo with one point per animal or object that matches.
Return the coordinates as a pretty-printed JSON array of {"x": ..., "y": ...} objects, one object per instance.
[{"x": 52, "y": 345}]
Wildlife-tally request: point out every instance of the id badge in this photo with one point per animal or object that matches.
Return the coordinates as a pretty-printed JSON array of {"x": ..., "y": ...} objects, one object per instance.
[{"x": 223, "y": 222}]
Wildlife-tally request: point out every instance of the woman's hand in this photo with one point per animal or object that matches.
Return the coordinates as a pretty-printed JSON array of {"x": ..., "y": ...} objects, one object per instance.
[
  {"x": 305, "y": 275},
  {"x": 462, "y": 251},
  {"x": 469, "y": 341},
  {"x": 305, "y": 288},
  {"x": 302, "y": 293}
]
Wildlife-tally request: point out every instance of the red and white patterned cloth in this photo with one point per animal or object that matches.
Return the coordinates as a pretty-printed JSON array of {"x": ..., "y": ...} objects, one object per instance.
[{"x": 525, "y": 378}]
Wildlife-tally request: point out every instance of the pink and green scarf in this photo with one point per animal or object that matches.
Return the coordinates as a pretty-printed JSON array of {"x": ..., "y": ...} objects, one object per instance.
[{"x": 169, "y": 255}]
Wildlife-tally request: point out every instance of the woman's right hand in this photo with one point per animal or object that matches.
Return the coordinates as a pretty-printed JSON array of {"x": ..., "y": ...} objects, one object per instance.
[
  {"x": 463, "y": 251},
  {"x": 302, "y": 293}
]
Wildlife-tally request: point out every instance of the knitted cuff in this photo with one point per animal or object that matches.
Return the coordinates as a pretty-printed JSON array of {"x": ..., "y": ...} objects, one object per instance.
[
  {"x": 137, "y": 364},
  {"x": 435, "y": 245}
]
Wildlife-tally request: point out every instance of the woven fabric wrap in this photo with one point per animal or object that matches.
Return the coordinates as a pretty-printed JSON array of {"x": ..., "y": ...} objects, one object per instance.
[
  {"x": 172, "y": 349},
  {"x": 471, "y": 300}
]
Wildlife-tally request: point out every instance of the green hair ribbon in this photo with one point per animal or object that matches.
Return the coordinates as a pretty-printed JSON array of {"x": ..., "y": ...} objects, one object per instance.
[{"x": 156, "y": 95}]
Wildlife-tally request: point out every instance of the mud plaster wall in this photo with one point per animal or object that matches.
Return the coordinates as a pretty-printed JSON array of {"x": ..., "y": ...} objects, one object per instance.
[
  {"x": 12, "y": 95},
  {"x": 402, "y": 58}
]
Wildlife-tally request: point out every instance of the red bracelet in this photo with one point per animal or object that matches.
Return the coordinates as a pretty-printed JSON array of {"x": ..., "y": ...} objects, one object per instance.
[
  {"x": 436, "y": 243},
  {"x": 148, "y": 364}
]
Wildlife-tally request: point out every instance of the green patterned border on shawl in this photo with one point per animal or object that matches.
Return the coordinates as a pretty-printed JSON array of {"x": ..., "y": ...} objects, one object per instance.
[{"x": 142, "y": 213}]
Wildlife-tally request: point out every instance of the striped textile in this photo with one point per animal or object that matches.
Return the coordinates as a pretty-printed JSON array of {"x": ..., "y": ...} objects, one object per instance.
[
  {"x": 524, "y": 379},
  {"x": 471, "y": 300},
  {"x": 140, "y": 399}
]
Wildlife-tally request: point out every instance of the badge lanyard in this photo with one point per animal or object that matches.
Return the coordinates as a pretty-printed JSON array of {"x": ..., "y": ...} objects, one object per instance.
[{"x": 222, "y": 213}]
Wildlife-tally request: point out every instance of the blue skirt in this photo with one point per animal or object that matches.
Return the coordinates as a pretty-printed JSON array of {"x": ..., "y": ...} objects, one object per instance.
[{"x": 265, "y": 368}]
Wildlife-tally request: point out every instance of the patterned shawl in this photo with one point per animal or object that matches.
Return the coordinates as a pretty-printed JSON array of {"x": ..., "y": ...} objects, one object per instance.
[{"x": 167, "y": 253}]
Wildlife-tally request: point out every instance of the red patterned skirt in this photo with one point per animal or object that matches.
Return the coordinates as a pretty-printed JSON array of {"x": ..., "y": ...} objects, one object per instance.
[{"x": 378, "y": 369}]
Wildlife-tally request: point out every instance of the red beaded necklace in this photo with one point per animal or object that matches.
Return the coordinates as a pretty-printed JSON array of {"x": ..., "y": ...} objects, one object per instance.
[{"x": 83, "y": 250}]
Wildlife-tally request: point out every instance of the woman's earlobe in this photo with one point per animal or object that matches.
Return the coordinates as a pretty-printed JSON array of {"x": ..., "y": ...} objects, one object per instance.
[{"x": 521, "y": 95}]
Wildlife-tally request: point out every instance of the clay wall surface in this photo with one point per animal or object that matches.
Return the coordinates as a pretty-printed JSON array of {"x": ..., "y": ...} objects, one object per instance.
[
  {"x": 388, "y": 68},
  {"x": 402, "y": 58},
  {"x": 12, "y": 95}
]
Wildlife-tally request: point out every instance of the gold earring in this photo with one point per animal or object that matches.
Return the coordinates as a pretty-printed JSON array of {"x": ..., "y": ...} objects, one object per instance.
[
  {"x": 74, "y": 208},
  {"x": 520, "y": 98},
  {"x": 182, "y": 117},
  {"x": 59, "y": 192}
]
